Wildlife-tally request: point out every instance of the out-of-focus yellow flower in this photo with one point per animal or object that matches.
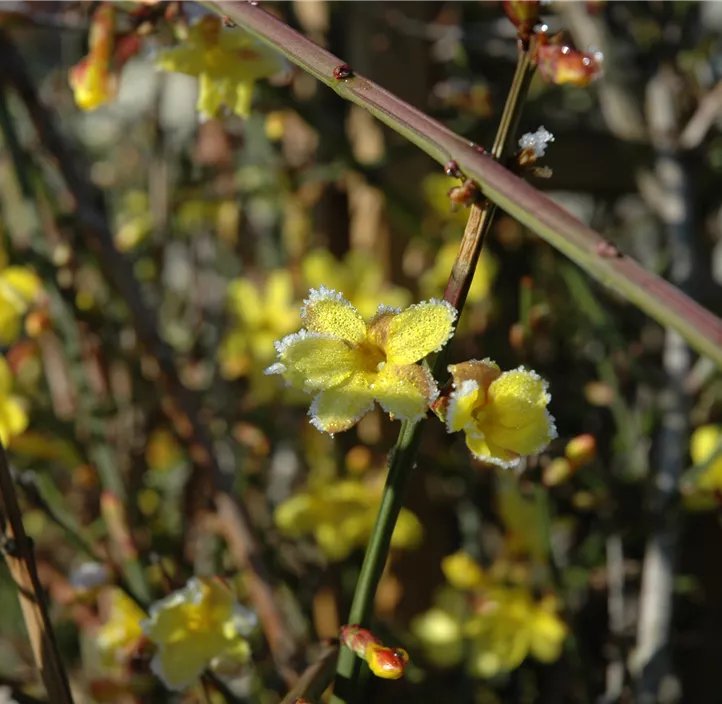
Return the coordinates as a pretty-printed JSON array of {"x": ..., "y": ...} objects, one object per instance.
[
  {"x": 501, "y": 625},
  {"x": 19, "y": 287},
  {"x": 13, "y": 419},
  {"x": 199, "y": 626},
  {"x": 525, "y": 536},
  {"x": 503, "y": 414},
  {"x": 135, "y": 221},
  {"x": 705, "y": 448},
  {"x": 358, "y": 275},
  {"x": 436, "y": 189},
  {"x": 162, "y": 451},
  {"x": 228, "y": 63},
  {"x": 261, "y": 316},
  {"x": 350, "y": 364},
  {"x": 463, "y": 572},
  {"x": 340, "y": 515},
  {"x": 434, "y": 281},
  {"x": 119, "y": 636},
  {"x": 91, "y": 78},
  {"x": 510, "y": 626}
]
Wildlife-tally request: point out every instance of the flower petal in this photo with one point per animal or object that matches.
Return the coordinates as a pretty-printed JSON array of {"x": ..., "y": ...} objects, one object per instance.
[
  {"x": 419, "y": 330},
  {"x": 484, "y": 372},
  {"x": 405, "y": 392},
  {"x": 463, "y": 400},
  {"x": 328, "y": 312},
  {"x": 517, "y": 397},
  {"x": 313, "y": 361},
  {"x": 527, "y": 439},
  {"x": 491, "y": 453},
  {"x": 338, "y": 409}
]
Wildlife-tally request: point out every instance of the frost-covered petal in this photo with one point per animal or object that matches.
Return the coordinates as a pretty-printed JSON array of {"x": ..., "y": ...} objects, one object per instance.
[
  {"x": 314, "y": 361},
  {"x": 405, "y": 392},
  {"x": 462, "y": 403},
  {"x": 491, "y": 453},
  {"x": 518, "y": 396},
  {"x": 340, "y": 408},
  {"x": 418, "y": 331},
  {"x": 526, "y": 439},
  {"x": 326, "y": 311}
]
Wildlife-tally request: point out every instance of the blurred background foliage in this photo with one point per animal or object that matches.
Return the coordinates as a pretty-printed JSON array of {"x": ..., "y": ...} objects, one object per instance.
[{"x": 227, "y": 223}]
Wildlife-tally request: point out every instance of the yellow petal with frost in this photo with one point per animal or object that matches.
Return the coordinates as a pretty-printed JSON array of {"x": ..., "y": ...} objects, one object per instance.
[
  {"x": 517, "y": 397},
  {"x": 487, "y": 451},
  {"x": 315, "y": 361},
  {"x": 328, "y": 312},
  {"x": 528, "y": 438},
  {"x": 418, "y": 331},
  {"x": 463, "y": 400},
  {"x": 405, "y": 392},
  {"x": 340, "y": 408}
]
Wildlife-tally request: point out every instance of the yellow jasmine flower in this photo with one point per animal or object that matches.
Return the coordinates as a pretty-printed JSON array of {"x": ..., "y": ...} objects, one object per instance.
[
  {"x": 261, "y": 316},
  {"x": 91, "y": 78},
  {"x": 433, "y": 282},
  {"x": 503, "y": 414},
  {"x": 706, "y": 446},
  {"x": 463, "y": 572},
  {"x": 510, "y": 626},
  {"x": 350, "y": 364},
  {"x": 13, "y": 419},
  {"x": 199, "y": 626},
  {"x": 702, "y": 492},
  {"x": 19, "y": 287},
  {"x": 163, "y": 452},
  {"x": 118, "y": 637},
  {"x": 227, "y": 63},
  {"x": 359, "y": 275},
  {"x": 341, "y": 515}
]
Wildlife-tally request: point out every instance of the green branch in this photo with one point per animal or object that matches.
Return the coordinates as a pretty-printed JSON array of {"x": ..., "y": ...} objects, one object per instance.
[{"x": 659, "y": 299}]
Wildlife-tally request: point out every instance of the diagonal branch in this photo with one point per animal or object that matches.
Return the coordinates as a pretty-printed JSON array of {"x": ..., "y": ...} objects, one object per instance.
[{"x": 659, "y": 299}]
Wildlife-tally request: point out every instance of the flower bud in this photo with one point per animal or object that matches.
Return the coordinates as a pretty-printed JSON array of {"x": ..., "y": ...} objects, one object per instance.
[
  {"x": 581, "y": 450},
  {"x": 563, "y": 65},
  {"x": 557, "y": 472}
]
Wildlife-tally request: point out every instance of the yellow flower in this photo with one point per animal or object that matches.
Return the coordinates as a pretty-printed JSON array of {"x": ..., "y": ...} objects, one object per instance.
[
  {"x": 350, "y": 364},
  {"x": 163, "y": 451},
  {"x": 199, "y": 626},
  {"x": 463, "y": 572},
  {"x": 511, "y": 626},
  {"x": 523, "y": 519},
  {"x": 503, "y": 415},
  {"x": 122, "y": 631},
  {"x": 228, "y": 63},
  {"x": 18, "y": 289},
  {"x": 341, "y": 515},
  {"x": 261, "y": 316},
  {"x": 13, "y": 419},
  {"x": 359, "y": 275},
  {"x": 434, "y": 281},
  {"x": 701, "y": 493},
  {"x": 91, "y": 78}
]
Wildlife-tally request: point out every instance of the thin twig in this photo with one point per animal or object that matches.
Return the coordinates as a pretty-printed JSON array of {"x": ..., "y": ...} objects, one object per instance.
[
  {"x": 20, "y": 558},
  {"x": 92, "y": 222},
  {"x": 316, "y": 678}
]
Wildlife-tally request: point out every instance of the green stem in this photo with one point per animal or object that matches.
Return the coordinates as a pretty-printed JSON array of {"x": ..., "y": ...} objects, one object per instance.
[
  {"x": 587, "y": 248},
  {"x": 404, "y": 455}
]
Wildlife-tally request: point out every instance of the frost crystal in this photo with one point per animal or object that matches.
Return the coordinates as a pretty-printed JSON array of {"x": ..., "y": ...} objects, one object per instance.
[{"x": 537, "y": 141}]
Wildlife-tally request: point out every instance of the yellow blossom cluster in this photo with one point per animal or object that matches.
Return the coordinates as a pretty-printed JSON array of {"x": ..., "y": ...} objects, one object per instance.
[
  {"x": 340, "y": 515},
  {"x": 500, "y": 621}
]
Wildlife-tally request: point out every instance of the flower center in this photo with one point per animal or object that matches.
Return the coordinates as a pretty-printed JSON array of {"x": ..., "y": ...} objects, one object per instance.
[{"x": 370, "y": 356}]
